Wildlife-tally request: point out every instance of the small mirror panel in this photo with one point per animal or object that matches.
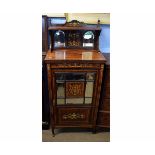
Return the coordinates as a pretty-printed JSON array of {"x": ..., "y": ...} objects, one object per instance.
[
  {"x": 59, "y": 39},
  {"x": 88, "y": 39}
]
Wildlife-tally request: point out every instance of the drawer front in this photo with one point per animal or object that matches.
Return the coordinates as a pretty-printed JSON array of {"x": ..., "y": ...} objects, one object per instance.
[
  {"x": 105, "y": 104},
  {"x": 103, "y": 119},
  {"x": 73, "y": 116}
]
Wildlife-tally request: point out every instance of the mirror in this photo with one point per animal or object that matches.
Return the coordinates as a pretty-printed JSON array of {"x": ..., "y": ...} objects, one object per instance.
[
  {"x": 75, "y": 76},
  {"x": 60, "y": 90},
  {"x": 74, "y": 100},
  {"x": 60, "y": 101},
  {"x": 90, "y": 76},
  {"x": 59, "y": 39},
  {"x": 88, "y": 100},
  {"x": 60, "y": 76},
  {"x": 89, "y": 89},
  {"x": 88, "y": 39}
]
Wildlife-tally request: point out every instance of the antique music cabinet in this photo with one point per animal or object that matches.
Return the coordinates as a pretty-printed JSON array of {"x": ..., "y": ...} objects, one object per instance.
[{"x": 75, "y": 70}]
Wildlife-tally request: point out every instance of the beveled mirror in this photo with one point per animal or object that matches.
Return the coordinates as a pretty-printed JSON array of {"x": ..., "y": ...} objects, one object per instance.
[
  {"x": 59, "y": 39},
  {"x": 88, "y": 39}
]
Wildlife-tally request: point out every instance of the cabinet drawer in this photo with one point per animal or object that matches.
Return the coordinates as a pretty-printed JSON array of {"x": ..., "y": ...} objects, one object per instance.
[
  {"x": 105, "y": 104},
  {"x": 103, "y": 119},
  {"x": 73, "y": 115}
]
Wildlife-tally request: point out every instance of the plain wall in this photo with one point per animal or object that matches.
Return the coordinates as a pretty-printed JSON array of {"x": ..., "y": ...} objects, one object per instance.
[{"x": 104, "y": 40}]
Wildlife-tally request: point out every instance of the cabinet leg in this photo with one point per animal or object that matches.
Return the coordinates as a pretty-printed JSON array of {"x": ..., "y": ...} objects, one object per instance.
[{"x": 53, "y": 132}]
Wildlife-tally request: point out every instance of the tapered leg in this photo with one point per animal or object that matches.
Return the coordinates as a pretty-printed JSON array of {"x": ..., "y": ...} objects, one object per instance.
[
  {"x": 52, "y": 127},
  {"x": 53, "y": 132}
]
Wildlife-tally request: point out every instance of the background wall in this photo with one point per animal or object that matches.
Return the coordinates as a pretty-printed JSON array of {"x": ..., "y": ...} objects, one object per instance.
[
  {"x": 104, "y": 42},
  {"x": 90, "y": 18}
]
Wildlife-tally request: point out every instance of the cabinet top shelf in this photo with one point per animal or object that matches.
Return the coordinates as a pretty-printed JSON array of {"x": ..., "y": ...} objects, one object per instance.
[
  {"x": 88, "y": 27},
  {"x": 74, "y": 55}
]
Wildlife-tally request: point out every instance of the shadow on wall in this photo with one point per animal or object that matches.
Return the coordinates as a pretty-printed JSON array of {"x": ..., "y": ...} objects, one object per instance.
[{"x": 104, "y": 40}]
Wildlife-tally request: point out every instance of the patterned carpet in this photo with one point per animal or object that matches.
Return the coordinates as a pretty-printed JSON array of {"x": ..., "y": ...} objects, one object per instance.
[{"x": 75, "y": 135}]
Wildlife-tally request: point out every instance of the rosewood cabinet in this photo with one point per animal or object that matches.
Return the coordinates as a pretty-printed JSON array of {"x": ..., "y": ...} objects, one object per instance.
[{"x": 75, "y": 69}]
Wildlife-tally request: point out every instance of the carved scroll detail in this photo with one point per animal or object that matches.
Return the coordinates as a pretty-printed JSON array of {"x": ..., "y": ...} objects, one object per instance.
[{"x": 74, "y": 23}]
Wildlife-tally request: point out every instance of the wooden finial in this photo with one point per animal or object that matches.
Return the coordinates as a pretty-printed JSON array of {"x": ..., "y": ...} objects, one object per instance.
[{"x": 98, "y": 22}]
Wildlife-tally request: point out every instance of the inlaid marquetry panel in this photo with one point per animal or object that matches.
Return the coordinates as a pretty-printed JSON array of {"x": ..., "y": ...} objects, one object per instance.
[
  {"x": 75, "y": 65},
  {"x": 74, "y": 89},
  {"x": 73, "y": 115},
  {"x": 74, "y": 39}
]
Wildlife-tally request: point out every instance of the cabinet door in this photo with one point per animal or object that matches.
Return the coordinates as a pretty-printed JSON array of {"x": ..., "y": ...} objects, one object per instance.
[{"x": 74, "y": 88}]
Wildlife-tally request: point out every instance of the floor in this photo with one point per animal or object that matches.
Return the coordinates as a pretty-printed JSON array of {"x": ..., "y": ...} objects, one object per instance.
[{"x": 75, "y": 135}]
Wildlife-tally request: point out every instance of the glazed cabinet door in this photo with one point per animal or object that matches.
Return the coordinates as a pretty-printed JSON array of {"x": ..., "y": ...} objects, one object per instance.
[
  {"x": 73, "y": 96},
  {"x": 74, "y": 88}
]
